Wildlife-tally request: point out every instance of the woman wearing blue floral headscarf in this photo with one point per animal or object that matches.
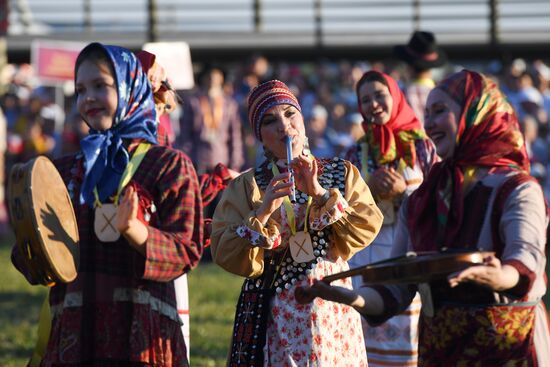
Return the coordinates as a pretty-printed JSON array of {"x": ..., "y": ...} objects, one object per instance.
[{"x": 138, "y": 209}]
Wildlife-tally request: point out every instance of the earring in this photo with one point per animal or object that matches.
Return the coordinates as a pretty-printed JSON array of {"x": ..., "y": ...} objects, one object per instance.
[{"x": 306, "y": 150}]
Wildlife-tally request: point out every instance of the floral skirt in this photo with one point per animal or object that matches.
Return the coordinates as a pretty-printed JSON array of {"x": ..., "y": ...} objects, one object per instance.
[
  {"x": 478, "y": 336},
  {"x": 317, "y": 334}
]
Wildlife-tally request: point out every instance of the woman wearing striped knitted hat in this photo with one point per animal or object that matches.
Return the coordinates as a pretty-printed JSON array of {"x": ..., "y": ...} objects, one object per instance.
[{"x": 277, "y": 245}]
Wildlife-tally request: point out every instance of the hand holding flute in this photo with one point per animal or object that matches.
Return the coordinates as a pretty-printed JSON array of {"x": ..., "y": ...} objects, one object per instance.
[{"x": 302, "y": 174}]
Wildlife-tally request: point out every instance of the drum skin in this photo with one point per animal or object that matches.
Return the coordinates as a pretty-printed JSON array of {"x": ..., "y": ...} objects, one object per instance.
[{"x": 44, "y": 222}]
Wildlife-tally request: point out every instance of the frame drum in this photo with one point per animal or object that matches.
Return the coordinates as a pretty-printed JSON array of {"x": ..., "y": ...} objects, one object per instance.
[
  {"x": 44, "y": 222},
  {"x": 408, "y": 269},
  {"x": 414, "y": 267}
]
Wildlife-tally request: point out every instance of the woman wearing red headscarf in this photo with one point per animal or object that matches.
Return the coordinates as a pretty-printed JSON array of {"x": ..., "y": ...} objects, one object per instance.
[
  {"x": 480, "y": 197},
  {"x": 393, "y": 156}
]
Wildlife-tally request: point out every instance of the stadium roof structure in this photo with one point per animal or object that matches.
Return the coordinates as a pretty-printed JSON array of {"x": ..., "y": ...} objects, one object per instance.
[{"x": 302, "y": 27}]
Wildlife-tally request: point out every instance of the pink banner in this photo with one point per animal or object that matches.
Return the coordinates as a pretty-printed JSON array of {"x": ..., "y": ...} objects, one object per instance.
[{"x": 55, "y": 62}]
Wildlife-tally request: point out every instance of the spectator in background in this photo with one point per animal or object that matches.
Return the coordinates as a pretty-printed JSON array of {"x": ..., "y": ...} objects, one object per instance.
[
  {"x": 421, "y": 54},
  {"x": 356, "y": 131},
  {"x": 339, "y": 126},
  {"x": 74, "y": 129},
  {"x": 166, "y": 98},
  {"x": 541, "y": 77},
  {"x": 211, "y": 134},
  {"x": 30, "y": 111},
  {"x": 210, "y": 127},
  {"x": 30, "y": 127},
  {"x": 529, "y": 127},
  {"x": 11, "y": 108},
  {"x": 260, "y": 67},
  {"x": 531, "y": 101},
  {"x": 52, "y": 114},
  {"x": 22, "y": 81},
  {"x": 36, "y": 141},
  {"x": 511, "y": 82},
  {"x": 536, "y": 144},
  {"x": 243, "y": 85},
  {"x": 316, "y": 130}
]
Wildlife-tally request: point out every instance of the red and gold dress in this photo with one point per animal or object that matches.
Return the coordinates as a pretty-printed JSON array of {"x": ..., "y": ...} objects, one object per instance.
[{"x": 121, "y": 308}]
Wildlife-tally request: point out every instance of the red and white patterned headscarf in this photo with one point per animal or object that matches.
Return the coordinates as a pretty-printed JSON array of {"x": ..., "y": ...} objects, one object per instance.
[{"x": 488, "y": 136}]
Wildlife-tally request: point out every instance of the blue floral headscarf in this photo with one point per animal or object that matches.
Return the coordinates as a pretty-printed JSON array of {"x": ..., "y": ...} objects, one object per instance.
[{"x": 105, "y": 156}]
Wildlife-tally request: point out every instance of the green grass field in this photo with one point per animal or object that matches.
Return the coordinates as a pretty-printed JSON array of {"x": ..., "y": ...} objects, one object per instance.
[{"x": 213, "y": 296}]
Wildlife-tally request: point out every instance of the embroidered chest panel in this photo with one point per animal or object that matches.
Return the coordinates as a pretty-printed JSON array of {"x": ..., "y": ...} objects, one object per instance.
[
  {"x": 371, "y": 164},
  {"x": 280, "y": 270}
]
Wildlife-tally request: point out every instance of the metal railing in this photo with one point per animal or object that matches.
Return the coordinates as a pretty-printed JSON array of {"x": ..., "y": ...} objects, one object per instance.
[{"x": 226, "y": 24}]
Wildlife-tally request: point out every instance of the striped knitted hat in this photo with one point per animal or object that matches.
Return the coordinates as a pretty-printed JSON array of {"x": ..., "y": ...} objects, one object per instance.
[{"x": 265, "y": 96}]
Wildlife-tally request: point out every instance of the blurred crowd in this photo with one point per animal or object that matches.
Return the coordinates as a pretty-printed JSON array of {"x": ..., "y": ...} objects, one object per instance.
[{"x": 41, "y": 120}]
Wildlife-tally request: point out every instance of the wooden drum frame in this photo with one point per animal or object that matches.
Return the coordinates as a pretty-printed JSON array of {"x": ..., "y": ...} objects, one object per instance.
[
  {"x": 414, "y": 267},
  {"x": 44, "y": 222}
]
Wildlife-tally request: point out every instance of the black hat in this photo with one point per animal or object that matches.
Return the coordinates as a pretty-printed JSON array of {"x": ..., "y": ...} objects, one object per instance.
[{"x": 421, "y": 52}]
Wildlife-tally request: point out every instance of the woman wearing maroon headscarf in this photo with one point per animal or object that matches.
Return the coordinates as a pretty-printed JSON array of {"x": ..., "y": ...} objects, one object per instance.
[
  {"x": 393, "y": 156},
  {"x": 480, "y": 197},
  {"x": 258, "y": 233}
]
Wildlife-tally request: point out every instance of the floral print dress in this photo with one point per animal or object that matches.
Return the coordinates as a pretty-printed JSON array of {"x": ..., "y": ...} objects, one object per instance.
[{"x": 320, "y": 333}]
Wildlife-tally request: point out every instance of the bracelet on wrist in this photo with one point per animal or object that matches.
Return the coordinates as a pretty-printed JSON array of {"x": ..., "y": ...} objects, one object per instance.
[{"x": 321, "y": 200}]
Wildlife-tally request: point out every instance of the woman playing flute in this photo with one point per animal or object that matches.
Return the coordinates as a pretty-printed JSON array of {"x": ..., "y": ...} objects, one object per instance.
[{"x": 276, "y": 245}]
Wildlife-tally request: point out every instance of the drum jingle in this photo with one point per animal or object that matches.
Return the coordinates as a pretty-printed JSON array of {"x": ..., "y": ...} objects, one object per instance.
[{"x": 44, "y": 222}]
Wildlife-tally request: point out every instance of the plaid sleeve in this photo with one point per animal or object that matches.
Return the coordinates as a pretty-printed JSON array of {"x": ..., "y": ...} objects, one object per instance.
[
  {"x": 210, "y": 187},
  {"x": 177, "y": 245},
  {"x": 212, "y": 183}
]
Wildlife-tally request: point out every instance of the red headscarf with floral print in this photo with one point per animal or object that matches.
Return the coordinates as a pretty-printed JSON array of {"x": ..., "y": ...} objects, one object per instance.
[
  {"x": 488, "y": 136},
  {"x": 395, "y": 139}
]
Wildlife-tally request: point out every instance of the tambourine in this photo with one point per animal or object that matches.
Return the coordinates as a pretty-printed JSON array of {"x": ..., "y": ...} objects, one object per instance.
[
  {"x": 44, "y": 222},
  {"x": 412, "y": 268}
]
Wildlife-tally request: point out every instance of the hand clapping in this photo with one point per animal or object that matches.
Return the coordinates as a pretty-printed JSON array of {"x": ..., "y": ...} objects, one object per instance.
[
  {"x": 127, "y": 222},
  {"x": 387, "y": 183}
]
